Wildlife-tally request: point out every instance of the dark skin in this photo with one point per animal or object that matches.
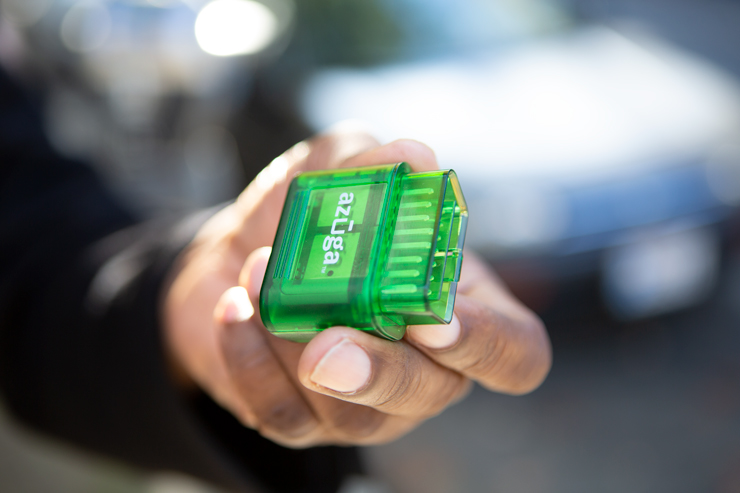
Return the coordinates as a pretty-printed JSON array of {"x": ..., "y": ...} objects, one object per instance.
[{"x": 345, "y": 386}]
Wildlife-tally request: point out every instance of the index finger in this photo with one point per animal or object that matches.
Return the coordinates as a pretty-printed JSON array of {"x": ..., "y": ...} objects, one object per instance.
[
  {"x": 502, "y": 354},
  {"x": 492, "y": 338},
  {"x": 419, "y": 156},
  {"x": 262, "y": 201}
]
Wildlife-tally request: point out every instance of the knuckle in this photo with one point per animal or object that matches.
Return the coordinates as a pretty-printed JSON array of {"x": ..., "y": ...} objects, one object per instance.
[
  {"x": 402, "y": 388},
  {"x": 487, "y": 359},
  {"x": 451, "y": 389},
  {"x": 354, "y": 422},
  {"x": 419, "y": 392},
  {"x": 244, "y": 350},
  {"x": 410, "y": 149},
  {"x": 248, "y": 360},
  {"x": 286, "y": 418},
  {"x": 535, "y": 366},
  {"x": 514, "y": 360},
  {"x": 411, "y": 146}
]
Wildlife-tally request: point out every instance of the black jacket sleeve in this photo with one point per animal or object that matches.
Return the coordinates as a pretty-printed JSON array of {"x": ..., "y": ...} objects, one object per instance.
[{"x": 80, "y": 349}]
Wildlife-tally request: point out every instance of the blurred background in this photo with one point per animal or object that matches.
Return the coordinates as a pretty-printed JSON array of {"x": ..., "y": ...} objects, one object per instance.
[{"x": 598, "y": 145}]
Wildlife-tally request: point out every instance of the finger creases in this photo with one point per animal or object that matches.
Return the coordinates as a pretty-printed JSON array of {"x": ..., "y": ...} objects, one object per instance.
[
  {"x": 264, "y": 391},
  {"x": 505, "y": 354},
  {"x": 342, "y": 422},
  {"x": 392, "y": 377}
]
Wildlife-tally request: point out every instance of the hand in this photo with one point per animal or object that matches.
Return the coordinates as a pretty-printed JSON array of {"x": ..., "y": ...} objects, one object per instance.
[{"x": 345, "y": 386}]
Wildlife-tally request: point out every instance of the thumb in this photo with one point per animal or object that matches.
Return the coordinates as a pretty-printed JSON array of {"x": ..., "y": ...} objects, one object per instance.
[{"x": 253, "y": 273}]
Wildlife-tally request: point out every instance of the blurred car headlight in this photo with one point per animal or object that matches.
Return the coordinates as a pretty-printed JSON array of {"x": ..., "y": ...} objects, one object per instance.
[{"x": 235, "y": 27}]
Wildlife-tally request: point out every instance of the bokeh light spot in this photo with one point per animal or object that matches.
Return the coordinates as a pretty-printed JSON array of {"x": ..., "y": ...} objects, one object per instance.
[{"x": 235, "y": 27}]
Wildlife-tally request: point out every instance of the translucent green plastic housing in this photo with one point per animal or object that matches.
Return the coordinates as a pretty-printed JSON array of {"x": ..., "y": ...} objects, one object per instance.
[{"x": 373, "y": 248}]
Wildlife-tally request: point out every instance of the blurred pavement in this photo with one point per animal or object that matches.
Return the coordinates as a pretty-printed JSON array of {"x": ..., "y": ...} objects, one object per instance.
[{"x": 653, "y": 407}]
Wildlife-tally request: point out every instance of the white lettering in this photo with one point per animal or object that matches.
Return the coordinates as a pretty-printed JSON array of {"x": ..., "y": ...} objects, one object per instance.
[
  {"x": 331, "y": 257},
  {"x": 332, "y": 245},
  {"x": 346, "y": 198},
  {"x": 327, "y": 243},
  {"x": 334, "y": 229}
]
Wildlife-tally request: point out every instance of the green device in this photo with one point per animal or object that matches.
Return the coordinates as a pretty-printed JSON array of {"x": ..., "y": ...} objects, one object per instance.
[{"x": 374, "y": 248}]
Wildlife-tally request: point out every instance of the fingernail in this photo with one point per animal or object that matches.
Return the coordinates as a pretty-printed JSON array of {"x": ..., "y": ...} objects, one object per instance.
[
  {"x": 435, "y": 336},
  {"x": 258, "y": 271},
  {"x": 234, "y": 306},
  {"x": 344, "y": 368}
]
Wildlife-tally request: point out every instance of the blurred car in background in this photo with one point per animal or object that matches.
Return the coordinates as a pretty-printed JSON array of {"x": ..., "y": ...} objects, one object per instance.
[{"x": 589, "y": 155}]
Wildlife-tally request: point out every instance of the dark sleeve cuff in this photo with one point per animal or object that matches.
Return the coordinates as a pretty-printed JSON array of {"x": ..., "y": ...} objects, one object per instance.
[
  {"x": 94, "y": 373},
  {"x": 80, "y": 350}
]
